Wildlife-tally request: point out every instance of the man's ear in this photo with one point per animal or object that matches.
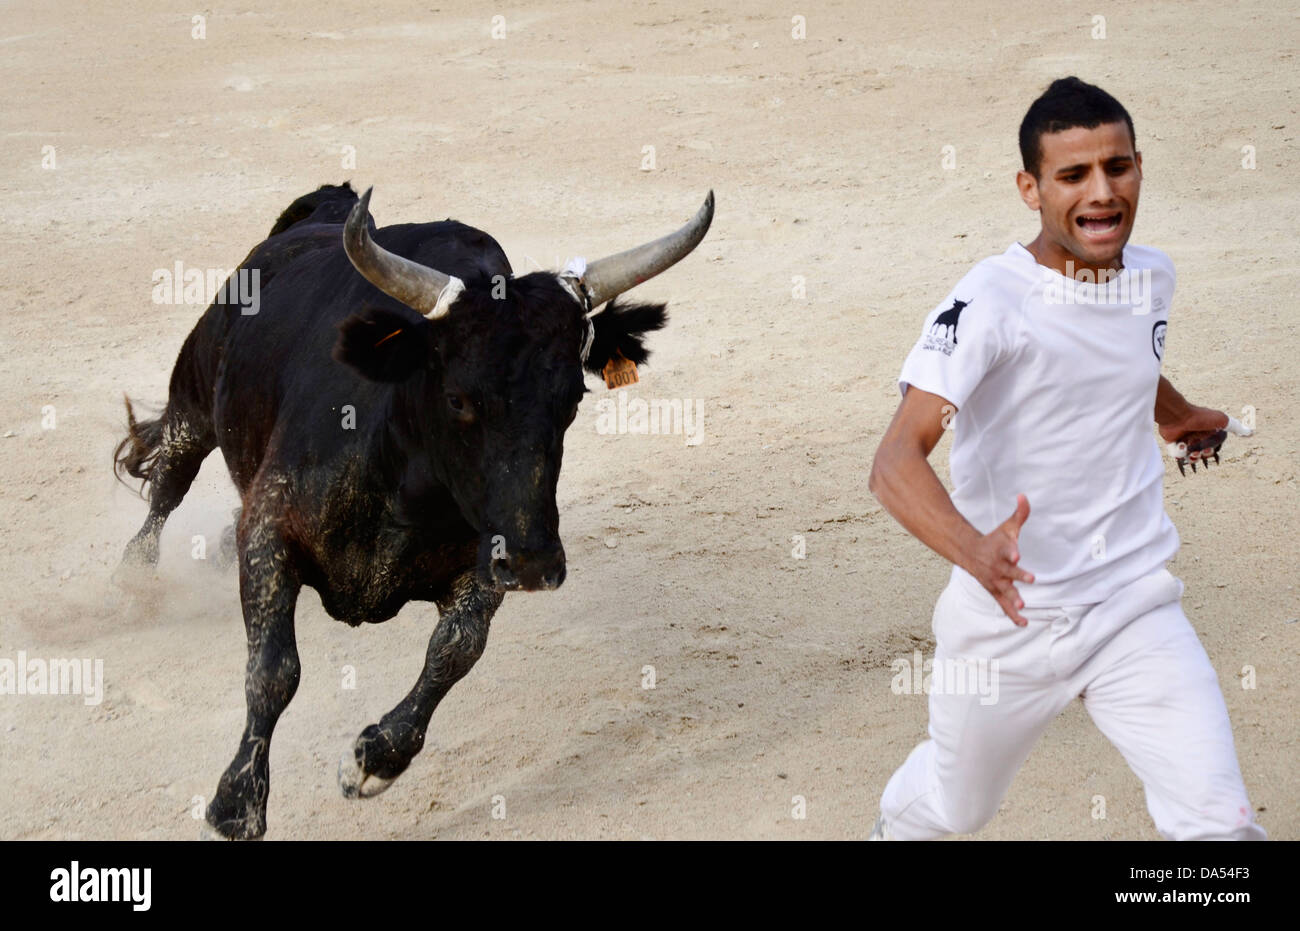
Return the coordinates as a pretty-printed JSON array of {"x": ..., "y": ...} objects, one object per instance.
[
  {"x": 1027, "y": 184},
  {"x": 620, "y": 329},
  {"x": 384, "y": 345}
]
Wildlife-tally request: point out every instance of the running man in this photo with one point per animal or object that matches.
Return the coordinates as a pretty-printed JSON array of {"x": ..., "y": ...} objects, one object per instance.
[{"x": 1046, "y": 362}]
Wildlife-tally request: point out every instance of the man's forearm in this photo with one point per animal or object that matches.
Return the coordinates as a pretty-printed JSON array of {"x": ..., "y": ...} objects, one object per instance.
[
  {"x": 1171, "y": 406},
  {"x": 907, "y": 487}
]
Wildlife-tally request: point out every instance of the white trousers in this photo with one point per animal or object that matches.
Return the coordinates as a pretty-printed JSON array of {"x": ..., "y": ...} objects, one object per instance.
[{"x": 1144, "y": 678}]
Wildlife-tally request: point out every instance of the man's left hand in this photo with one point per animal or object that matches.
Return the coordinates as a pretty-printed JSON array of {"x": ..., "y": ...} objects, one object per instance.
[{"x": 1199, "y": 435}]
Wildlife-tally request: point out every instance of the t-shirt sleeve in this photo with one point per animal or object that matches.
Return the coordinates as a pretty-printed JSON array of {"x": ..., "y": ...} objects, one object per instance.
[
  {"x": 1160, "y": 297},
  {"x": 961, "y": 341}
]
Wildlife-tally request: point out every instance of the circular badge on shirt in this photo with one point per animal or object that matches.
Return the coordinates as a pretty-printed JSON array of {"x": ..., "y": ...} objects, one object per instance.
[{"x": 1158, "y": 339}]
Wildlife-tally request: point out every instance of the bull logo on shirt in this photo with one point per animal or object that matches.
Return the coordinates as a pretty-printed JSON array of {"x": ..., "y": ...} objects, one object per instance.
[
  {"x": 1158, "y": 339},
  {"x": 943, "y": 332}
]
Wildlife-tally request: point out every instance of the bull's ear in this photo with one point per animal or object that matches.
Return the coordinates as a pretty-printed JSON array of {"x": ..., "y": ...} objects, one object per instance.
[
  {"x": 384, "y": 345},
  {"x": 621, "y": 328}
]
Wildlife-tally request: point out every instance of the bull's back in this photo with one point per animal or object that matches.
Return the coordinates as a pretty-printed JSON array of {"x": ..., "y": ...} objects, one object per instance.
[
  {"x": 277, "y": 384},
  {"x": 278, "y": 388}
]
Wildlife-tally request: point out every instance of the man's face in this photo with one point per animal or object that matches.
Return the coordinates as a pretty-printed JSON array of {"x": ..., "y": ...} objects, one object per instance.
[{"x": 1086, "y": 193}]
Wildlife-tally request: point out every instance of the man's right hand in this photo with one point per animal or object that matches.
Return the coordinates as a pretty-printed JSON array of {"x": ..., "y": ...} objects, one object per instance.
[
  {"x": 994, "y": 559},
  {"x": 905, "y": 484}
]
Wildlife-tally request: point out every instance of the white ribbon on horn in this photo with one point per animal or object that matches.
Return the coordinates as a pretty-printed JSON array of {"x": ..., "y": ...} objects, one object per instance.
[
  {"x": 446, "y": 297},
  {"x": 576, "y": 267},
  {"x": 570, "y": 278}
]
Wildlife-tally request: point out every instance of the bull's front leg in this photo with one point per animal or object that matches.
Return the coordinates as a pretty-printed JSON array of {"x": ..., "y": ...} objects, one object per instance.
[
  {"x": 268, "y": 589},
  {"x": 384, "y": 750}
]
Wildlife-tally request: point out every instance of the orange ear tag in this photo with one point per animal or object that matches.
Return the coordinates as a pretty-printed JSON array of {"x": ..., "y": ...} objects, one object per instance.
[{"x": 619, "y": 372}]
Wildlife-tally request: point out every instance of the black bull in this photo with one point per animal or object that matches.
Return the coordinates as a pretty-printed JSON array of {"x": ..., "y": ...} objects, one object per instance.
[{"x": 393, "y": 416}]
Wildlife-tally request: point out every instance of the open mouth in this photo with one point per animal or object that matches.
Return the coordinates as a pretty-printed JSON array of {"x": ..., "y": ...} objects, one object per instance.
[{"x": 1099, "y": 224}]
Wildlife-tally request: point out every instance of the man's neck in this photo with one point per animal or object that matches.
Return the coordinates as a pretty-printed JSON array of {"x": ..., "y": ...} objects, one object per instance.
[{"x": 1050, "y": 255}]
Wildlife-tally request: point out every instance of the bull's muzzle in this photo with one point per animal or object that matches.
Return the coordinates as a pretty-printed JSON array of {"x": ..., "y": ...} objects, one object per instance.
[{"x": 529, "y": 571}]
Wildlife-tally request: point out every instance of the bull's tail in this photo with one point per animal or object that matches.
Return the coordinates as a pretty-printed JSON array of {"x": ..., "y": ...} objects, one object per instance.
[{"x": 138, "y": 452}]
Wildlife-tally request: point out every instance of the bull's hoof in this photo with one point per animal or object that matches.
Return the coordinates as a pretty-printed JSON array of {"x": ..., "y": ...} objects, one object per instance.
[
  {"x": 140, "y": 589},
  {"x": 134, "y": 575},
  {"x": 355, "y": 782},
  {"x": 208, "y": 832},
  {"x": 139, "y": 559},
  {"x": 233, "y": 816},
  {"x": 377, "y": 758}
]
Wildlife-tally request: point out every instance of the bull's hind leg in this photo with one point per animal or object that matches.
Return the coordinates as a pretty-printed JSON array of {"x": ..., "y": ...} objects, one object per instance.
[
  {"x": 228, "y": 550},
  {"x": 384, "y": 750},
  {"x": 268, "y": 588},
  {"x": 178, "y": 451}
]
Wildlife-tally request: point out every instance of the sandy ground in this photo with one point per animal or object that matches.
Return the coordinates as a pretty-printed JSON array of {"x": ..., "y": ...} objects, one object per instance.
[{"x": 772, "y": 673}]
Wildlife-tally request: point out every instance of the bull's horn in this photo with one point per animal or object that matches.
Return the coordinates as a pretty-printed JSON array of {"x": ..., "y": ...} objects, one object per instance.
[
  {"x": 426, "y": 289},
  {"x": 609, "y": 277}
]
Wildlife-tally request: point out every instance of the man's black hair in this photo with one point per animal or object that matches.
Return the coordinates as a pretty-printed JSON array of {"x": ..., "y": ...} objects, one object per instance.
[{"x": 1067, "y": 103}]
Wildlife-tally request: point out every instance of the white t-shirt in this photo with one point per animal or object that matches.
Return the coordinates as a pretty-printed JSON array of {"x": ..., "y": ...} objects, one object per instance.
[{"x": 1054, "y": 382}]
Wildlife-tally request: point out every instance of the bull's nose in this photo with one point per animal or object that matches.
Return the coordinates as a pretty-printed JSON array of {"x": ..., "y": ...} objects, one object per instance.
[{"x": 530, "y": 571}]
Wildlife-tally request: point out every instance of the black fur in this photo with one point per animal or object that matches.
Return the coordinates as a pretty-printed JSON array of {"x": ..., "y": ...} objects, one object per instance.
[
  {"x": 621, "y": 328},
  {"x": 382, "y": 344},
  {"x": 381, "y": 457},
  {"x": 329, "y": 203}
]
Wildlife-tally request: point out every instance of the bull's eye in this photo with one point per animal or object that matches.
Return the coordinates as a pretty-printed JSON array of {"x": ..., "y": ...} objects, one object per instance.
[{"x": 462, "y": 410}]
